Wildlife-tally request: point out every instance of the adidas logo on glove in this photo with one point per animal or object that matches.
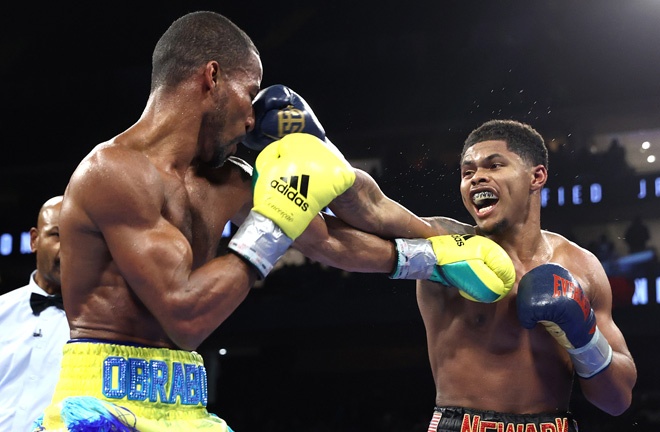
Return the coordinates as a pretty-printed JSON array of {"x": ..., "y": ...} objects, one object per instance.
[
  {"x": 460, "y": 239},
  {"x": 290, "y": 188}
]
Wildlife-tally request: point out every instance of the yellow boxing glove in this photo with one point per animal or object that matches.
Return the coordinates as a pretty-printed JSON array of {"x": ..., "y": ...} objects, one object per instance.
[
  {"x": 480, "y": 269},
  {"x": 295, "y": 178},
  {"x": 476, "y": 265}
]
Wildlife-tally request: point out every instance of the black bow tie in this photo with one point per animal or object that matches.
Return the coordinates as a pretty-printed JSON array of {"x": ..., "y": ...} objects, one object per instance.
[{"x": 40, "y": 302}]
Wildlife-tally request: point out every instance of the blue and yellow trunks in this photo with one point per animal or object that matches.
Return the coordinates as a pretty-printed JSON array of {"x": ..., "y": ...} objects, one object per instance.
[
  {"x": 457, "y": 419},
  {"x": 107, "y": 386}
]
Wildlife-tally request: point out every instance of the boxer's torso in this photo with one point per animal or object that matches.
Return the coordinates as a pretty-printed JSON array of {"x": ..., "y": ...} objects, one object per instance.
[
  {"x": 480, "y": 355},
  {"x": 100, "y": 303}
]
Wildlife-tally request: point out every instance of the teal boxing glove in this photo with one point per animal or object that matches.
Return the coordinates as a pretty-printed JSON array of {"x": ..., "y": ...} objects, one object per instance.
[{"x": 480, "y": 269}]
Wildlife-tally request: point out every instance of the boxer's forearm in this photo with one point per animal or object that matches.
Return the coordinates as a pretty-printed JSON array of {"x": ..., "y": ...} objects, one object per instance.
[
  {"x": 331, "y": 242},
  {"x": 611, "y": 390},
  {"x": 366, "y": 207}
]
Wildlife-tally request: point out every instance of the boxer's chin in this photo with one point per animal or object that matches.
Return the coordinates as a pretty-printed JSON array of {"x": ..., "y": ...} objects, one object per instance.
[
  {"x": 218, "y": 158},
  {"x": 217, "y": 162},
  {"x": 495, "y": 228}
]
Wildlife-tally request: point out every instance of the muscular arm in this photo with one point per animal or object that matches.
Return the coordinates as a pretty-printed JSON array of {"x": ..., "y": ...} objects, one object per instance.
[
  {"x": 148, "y": 254},
  {"x": 356, "y": 240},
  {"x": 330, "y": 241},
  {"x": 610, "y": 390},
  {"x": 367, "y": 208},
  {"x": 333, "y": 242}
]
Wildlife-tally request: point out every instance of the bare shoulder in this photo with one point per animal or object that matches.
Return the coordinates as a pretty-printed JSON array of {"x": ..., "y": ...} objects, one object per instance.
[
  {"x": 112, "y": 179},
  {"x": 109, "y": 163},
  {"x": 567, "y": 252},
  {"x": 444, "y": 225},
  {"x": 581, "y": 262}
]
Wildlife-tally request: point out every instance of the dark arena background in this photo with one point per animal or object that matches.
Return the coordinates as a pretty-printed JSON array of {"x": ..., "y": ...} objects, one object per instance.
[{"x": 397, "y": 86}]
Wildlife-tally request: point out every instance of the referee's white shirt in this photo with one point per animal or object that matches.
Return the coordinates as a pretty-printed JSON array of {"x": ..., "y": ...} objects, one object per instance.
[{"x": 30, "y": 357}]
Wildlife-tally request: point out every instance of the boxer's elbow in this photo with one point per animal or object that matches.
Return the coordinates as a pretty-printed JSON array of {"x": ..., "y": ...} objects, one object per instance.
[
  {"x": 615, "y": 406},
  {"x": 186, "y": 337},
  {"x": 188, "y": 331},
  {"x": 611, "y": 392}
]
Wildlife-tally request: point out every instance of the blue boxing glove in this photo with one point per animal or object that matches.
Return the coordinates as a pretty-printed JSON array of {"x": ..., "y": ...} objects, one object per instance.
[
  {"x": 280, "y": 111},
  {"x": 550, "y": 295}
]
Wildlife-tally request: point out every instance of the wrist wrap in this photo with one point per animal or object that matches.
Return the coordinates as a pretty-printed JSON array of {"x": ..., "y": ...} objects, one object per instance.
[
  {"x": 415, "y": 259},
  {"x": 260, "y": 242},
  {"x": 593, "y": 357}
]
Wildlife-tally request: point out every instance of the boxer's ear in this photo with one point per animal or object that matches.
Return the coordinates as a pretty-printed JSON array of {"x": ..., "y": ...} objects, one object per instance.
[{"x": 539, "y": 178}]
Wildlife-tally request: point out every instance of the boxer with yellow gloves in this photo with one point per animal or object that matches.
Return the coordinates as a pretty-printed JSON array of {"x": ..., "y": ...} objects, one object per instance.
[{"x": 141, "y": 223}]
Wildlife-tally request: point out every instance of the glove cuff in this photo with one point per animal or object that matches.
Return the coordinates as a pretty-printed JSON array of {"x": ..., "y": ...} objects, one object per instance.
[
  {"x": 593, "y": 357},
  {"x": 415, "y": 259},
  {"x": 261, "y": 242}
]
